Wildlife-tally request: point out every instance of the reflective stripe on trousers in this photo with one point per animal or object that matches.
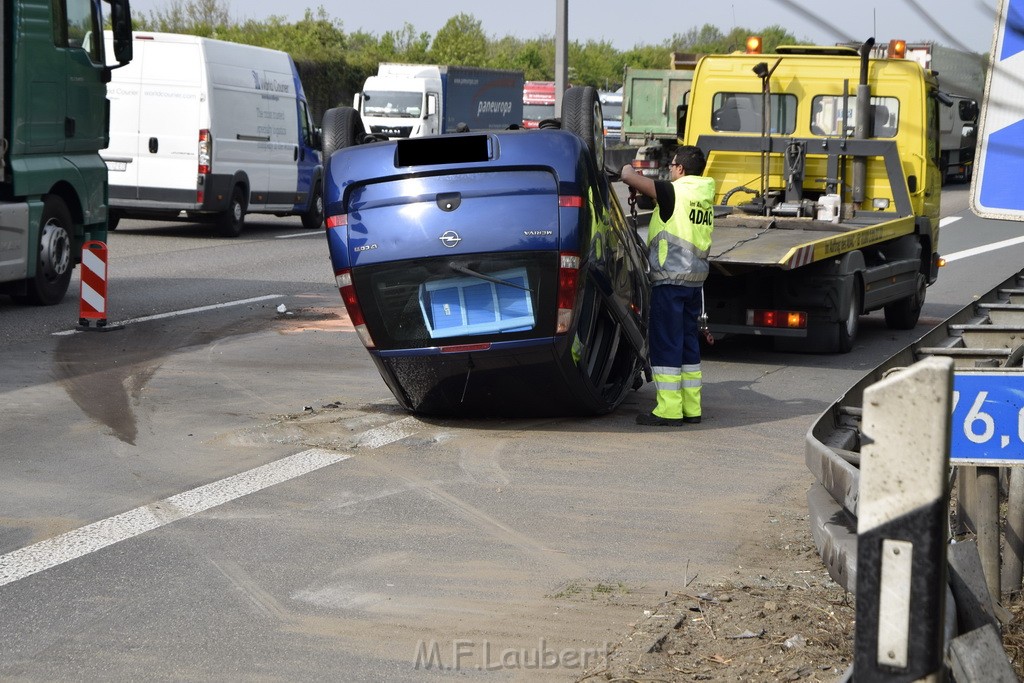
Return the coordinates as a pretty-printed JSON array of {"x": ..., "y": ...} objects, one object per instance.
[{"x": 675, "y": 350}]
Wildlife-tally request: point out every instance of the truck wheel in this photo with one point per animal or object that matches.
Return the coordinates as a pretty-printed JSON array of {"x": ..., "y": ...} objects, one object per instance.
[
  {"x": 230, "y": 222},
  {"x": 314, "y": 218},
  {"x": 850, "y": 324},
  {"x": 581, "y": 114},
  {"x": 904, "y": 314},
  {"x": 341, "y": 127},
  {"x": 53, "y": 263}
]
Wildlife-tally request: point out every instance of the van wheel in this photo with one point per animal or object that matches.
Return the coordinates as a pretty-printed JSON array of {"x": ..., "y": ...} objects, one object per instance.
[
  {"x": 230, "y": 222},
  {"x": 314, "y": 218},
  {"x": 53, "y": 262},
  {"x": 341, "y": 127},
  {"x": 112, "y": 220},
  {"x": 581, "y": 114}
]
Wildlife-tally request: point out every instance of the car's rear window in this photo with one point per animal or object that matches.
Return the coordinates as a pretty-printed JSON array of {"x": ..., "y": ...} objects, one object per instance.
[{"x": 457, "y": 299}]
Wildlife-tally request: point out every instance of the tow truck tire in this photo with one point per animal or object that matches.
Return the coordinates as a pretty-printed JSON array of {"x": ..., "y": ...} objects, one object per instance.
[
  {"x": 314, "y": 218},
  {"x": 581, "y": 114},
  {"x": 904, "y": 314},
  {"x": 849, "y": 325},
  {"x": 341, "y": 127},
  {"x": 54, "y": 262}
]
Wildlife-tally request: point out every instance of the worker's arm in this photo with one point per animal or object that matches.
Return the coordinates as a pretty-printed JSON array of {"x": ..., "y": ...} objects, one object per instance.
[{"x": 640, "y": 183}]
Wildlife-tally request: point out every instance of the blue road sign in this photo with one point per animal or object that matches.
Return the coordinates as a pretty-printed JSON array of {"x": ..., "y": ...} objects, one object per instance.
[
  {"x": 996, "y": 190},
  {"x": 987, "y": 427}
]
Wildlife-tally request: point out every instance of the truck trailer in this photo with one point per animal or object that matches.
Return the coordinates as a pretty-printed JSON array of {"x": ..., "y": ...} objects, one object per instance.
[
  {"x": 53, "y": 118},
  {"x": 415, "y": 100},
  {"x": 827, "y": 180}
]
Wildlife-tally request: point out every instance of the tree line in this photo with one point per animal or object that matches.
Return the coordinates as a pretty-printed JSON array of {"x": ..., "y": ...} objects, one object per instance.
[{"x": 333, "y": 63}]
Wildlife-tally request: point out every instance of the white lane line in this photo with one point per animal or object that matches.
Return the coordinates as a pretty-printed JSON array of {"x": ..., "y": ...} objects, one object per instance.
[
  {"x": 187, "y": 311},
  {"x": 389, "y": 433},
  {"x": 983, "y": 249},
  {"x": 943, "y": 222},
  {"x": 24, "y": 562},
  {"x": 299, "y": 234}
]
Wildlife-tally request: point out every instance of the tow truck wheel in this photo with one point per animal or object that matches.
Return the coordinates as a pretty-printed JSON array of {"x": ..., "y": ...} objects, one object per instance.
[
  {"x": 53, "y": 262},
  {"x": 850, "y": 324},
  {"x": 903, "y": 314},
  {"x": 581, "y": 114},
  {"x": 341, "y": 127}
]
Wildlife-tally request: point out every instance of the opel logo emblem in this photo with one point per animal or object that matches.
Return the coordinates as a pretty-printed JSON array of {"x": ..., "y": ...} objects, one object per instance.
[{"x": 450, "y": 238}]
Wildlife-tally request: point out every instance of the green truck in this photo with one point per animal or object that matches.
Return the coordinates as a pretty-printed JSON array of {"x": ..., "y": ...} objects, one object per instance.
[
  {"x": 53, "y": 117},
  {"x": 653, "y": 114}
]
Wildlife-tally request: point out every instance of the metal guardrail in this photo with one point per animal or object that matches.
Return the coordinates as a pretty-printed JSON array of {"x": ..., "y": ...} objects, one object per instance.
[{"x": 985, "y": 334}]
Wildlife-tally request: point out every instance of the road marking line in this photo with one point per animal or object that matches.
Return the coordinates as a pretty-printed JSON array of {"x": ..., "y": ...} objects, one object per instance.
[
  {"x": 298, "y": 234},
  {"x": 24, "y": 562},
  {"x": 389, "y": 433},
  {"x": 187, "y": 311},
  {"x": 948, "y": 219},
  {"x": 983, "y": 249}
]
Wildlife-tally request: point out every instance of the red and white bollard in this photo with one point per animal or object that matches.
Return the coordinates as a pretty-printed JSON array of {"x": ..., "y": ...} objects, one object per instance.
[{"x": 92, "y": 307}]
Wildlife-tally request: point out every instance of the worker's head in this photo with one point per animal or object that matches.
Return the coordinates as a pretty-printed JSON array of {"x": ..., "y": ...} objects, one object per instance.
[{"x": 688, "y": 160}]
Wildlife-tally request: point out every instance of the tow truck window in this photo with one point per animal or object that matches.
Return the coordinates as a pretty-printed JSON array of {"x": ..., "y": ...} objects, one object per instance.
[
  {"x": 827, "y": 115},
  {"x": 741, "y": 113}
]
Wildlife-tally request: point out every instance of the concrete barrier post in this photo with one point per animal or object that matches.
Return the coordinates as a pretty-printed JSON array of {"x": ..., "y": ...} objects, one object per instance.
[{"x": 902, "y": 524}]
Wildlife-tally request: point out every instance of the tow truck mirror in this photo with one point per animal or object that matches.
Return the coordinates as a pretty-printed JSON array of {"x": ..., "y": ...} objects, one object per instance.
[{"x": 121, "y": 27}]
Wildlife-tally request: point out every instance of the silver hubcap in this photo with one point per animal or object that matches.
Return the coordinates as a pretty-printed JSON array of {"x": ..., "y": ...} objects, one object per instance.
[{"x": 56, "y": 250}]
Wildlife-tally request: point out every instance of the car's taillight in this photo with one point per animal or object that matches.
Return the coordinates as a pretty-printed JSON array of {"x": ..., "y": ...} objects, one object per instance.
[
  {"x": 644, "y": 163},
  {"x": 568, "y": 277},
  {"x": 794, "y": 320},
  {"x": 569, "y": 201},
  {"x": 339, "y": 221},
  {"x": 355, "y": 311}
]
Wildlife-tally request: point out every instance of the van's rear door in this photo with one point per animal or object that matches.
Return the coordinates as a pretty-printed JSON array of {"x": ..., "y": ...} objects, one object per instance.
[{"x": 467, "y": 256}]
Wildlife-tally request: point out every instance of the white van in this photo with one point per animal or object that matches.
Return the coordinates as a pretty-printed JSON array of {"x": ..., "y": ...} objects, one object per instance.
[{"x": 212, "y": 129}]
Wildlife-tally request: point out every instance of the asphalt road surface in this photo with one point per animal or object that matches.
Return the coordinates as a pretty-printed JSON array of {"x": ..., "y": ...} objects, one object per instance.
[{"x": 225, "y": 489}]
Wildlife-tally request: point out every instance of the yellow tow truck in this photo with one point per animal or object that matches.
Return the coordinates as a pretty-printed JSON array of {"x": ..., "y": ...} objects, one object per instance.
[{"x": 827, "y": 190}]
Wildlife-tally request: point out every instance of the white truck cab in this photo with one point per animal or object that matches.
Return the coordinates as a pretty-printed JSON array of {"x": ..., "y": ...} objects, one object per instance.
[{"x": 402, "y": 101}]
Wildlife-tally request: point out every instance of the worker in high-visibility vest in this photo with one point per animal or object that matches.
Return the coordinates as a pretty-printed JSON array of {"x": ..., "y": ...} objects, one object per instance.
[{"x": 678, "y": 242}]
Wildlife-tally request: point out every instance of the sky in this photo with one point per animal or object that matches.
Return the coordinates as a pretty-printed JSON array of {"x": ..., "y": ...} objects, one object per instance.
[{"x": 966, "y": 24}]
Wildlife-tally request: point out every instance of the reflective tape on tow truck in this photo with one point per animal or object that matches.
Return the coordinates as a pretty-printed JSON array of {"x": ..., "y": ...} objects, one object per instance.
[{"x": 830, "y": 247}]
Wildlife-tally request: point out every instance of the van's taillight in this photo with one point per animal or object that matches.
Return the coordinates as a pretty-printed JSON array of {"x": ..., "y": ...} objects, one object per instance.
[
  {"x": 568, "y": 201},
  {"x": 204, "y": 152},
  {"x": 793, "y": 320},
  {"x": 339, "y": 221},
  {"x": 568, "y": 277},
  {"x": 355, "y": 311}
]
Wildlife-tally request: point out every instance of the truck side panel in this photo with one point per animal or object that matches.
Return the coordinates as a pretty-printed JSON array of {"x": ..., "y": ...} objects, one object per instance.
[{"x": 483, "y": 99}]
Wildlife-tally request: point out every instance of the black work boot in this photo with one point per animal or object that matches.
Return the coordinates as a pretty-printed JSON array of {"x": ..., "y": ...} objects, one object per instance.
[{"x": 652, "y": 420}]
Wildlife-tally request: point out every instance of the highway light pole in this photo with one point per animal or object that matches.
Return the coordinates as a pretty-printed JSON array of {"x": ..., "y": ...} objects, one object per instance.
[{"x": 561, "y": 51}]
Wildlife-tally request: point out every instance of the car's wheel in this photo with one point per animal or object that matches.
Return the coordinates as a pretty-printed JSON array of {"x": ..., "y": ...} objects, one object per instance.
[
  {"x": 341, "y": 127},
  {"x": 581, "y": 114},
  {"x": 904, "y": 314},
  {"x": 314, "y": 218},
  {"x": 54, "y": 262},
  {"x": 231, "y": 221}
]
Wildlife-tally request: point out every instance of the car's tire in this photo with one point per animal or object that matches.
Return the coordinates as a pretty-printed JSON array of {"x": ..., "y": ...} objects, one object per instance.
[
  {"x": 54, "y": 262},
  {"x": 231, "y": 221},
  {"x": 340, "y": 127},
  {"x": 314, "y": 218},
  {"x": 904, "y": 314},
  {"x": 581, "y": 114},
  {"x": 113, "y": 219}
]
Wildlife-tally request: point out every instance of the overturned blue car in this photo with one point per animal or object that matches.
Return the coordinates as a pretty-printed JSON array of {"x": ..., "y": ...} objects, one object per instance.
[{"x": 489, "y": 273}]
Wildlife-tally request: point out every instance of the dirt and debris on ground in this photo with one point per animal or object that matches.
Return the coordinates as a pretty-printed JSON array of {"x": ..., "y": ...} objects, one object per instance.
[{"x": 779, "y": 619}]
